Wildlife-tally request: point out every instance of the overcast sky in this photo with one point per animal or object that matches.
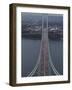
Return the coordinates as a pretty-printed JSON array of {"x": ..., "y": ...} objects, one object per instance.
[{"x": 37, "y": 16}]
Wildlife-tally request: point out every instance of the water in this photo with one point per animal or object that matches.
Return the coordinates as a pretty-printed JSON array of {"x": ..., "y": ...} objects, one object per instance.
[{"x": 30, "y": 52}]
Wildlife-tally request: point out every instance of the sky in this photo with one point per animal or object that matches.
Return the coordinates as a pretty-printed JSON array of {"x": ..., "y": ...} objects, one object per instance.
[{"x": 34, "y": 17}]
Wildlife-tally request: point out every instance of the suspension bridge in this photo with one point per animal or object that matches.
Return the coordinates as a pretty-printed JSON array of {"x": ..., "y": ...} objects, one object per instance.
[{"x": 44, "y": 58}]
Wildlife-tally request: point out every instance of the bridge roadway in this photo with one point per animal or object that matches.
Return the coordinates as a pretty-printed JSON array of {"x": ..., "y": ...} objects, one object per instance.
[{"x": 43, "y": 65}]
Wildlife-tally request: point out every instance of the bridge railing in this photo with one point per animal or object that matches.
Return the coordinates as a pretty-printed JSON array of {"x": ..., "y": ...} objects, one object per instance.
[
  {"x": 37, "y": 64},
  {"x": 50, "y": 61}
]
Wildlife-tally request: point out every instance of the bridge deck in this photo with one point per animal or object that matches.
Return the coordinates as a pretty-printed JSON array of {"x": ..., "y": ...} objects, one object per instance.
[{"x": 43, "y": 65}]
